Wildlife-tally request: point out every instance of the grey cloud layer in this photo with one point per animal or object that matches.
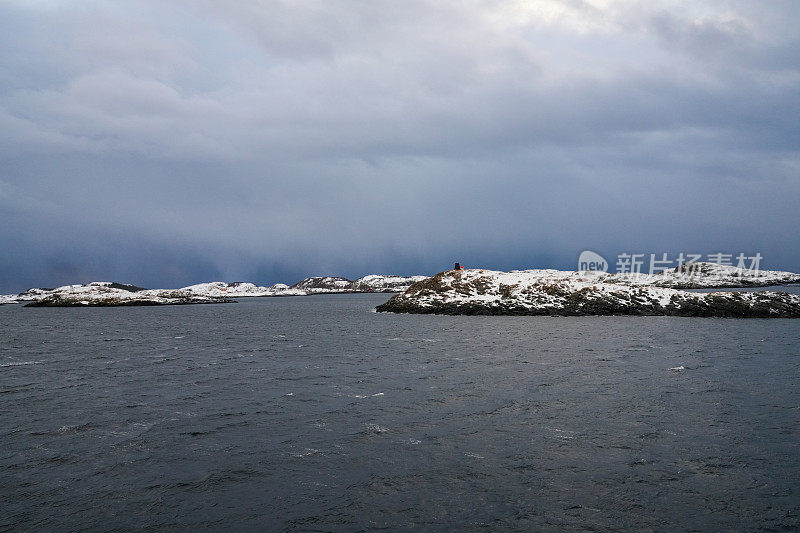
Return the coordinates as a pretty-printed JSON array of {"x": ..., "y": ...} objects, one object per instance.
[{"x": 287, "y": 138}]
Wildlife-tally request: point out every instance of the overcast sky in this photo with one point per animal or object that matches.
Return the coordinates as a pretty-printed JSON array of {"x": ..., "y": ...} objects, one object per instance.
[{"x": 165, "y": 143}]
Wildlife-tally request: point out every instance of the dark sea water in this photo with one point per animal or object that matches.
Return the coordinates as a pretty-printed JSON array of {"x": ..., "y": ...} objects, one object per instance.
[{"x": 314, "y": 413}]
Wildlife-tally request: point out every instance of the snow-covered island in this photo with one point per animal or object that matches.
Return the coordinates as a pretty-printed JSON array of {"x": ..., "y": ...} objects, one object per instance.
[
  {"x": 106, "y": 294},
  {"x": 554, "y": 292},
  {"x": 308, "y": 286},
  {"x": 102, "y": 293}
]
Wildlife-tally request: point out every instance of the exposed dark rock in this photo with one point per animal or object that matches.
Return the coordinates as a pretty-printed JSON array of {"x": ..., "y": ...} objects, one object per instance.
[{"x": 125, "y": 287}]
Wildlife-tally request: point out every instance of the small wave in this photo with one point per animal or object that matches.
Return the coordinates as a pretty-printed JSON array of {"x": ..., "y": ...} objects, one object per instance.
[
  {"x": 362, "y": 396},
  {"x": 474, "y": 455},
  {"x": 74, "y": 428},
  {"x": 375, "y": 428},
  {"x": 21, "y": 363},
  {"x": 128, "y": 433},
  {"x": 563, "y": 434},
  {"x": 17, "y": 388},
  {"x": 677, "y": 368},
  {"x": 412, "y": 339},
  {"x": 62, "y": 459},
  {"x": 305, "y": 453}
]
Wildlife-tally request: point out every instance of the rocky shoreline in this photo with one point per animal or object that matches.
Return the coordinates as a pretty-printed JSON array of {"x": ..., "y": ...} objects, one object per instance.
[{"x": 555, "y": 293}]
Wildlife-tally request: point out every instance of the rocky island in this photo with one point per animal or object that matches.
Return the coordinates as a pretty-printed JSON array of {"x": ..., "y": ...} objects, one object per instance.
[
  {"x": 108, "y": 294},
  {"x": 105, "y": 294},
  {"x": 559, "y": 293}
]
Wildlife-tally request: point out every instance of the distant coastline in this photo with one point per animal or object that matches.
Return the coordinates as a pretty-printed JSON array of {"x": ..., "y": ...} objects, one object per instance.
[
  {"x": 111, "y": 294},
  {"x": 480, "y": 291}
]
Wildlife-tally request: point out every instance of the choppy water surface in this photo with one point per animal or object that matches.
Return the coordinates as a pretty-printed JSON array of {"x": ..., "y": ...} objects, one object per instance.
[{"x": 314, "y": 413}]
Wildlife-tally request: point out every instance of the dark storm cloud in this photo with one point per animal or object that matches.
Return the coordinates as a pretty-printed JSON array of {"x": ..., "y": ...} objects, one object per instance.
[{"x": 266, "y": 140}]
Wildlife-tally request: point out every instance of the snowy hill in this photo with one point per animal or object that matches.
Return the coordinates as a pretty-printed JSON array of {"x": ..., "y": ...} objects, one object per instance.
[
  {"x": 378, "y": 283},
  {"x": 552, "y": 292},
  {"x": 698, "y": 276},
  {"x": 687, "y": 276},
  {"x": 323, "y": 284},
  {"x": 220, "y": 289},
  {"x": 371, "y": 283},
  {"x": 103, "y": 293},
  {"x": 108, "y": 293}
]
